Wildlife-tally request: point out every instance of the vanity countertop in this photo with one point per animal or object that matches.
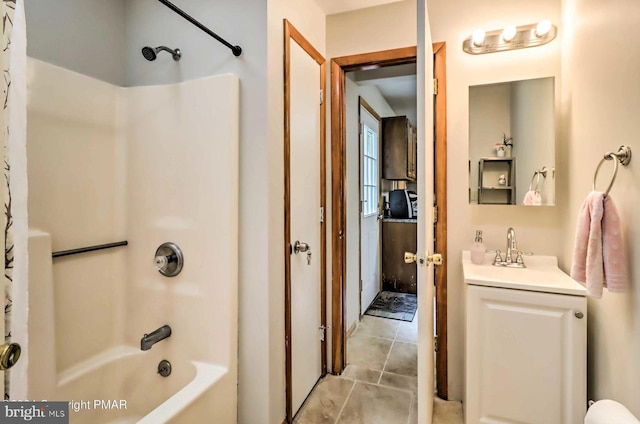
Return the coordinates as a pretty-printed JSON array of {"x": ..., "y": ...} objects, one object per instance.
[
  {"x": 541, "y": 275},
  {"x": 401, "y": 220}
]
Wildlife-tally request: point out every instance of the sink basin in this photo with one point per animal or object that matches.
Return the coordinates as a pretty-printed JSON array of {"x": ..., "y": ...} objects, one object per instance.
[{"x": 541, "y": 274}]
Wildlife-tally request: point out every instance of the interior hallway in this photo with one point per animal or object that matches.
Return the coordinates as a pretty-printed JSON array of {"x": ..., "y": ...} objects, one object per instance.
[{"x": 380, "y": 382}]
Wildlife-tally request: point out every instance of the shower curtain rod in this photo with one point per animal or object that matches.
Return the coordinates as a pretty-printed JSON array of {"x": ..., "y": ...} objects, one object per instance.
[{"x": 237, "y": 50}]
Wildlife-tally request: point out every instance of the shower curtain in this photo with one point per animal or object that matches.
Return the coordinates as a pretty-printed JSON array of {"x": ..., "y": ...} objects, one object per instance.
[{"x": 14, "y": 181}]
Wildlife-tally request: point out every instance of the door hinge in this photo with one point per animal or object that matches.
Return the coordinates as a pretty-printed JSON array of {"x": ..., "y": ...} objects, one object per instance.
[
  {"x": 435, "y": 86},
  {"x": 321, "y": 96},
  {"x": 436, "y": 344},
  {"x": 323, "y": 332},
  {"x": 321, "y": 213},
  {"x": 435, "y": 214}
]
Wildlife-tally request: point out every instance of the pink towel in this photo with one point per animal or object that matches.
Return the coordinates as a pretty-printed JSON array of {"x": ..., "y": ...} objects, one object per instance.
[
  {"x": 598, "y": 256},
  {"x": 532, "y": 198}
]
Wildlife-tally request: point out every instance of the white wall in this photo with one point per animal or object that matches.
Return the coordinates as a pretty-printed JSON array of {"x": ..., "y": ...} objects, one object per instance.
[
  {"x": 374, "y": 98},
  {"x": 76, "y": 194},
  {"x": 534, "y": 226},
  {"x": 86, "y": 36},
  {"x": 601, "y": 105}
]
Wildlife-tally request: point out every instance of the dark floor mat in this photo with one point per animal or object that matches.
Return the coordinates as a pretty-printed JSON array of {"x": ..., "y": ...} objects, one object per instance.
[{"x": 400, "y": 306}]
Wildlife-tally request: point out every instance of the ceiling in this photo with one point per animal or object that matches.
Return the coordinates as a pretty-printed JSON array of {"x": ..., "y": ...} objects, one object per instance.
[
  {"x": 331, "y": 7},
  {"x": 397, "y": 84}
]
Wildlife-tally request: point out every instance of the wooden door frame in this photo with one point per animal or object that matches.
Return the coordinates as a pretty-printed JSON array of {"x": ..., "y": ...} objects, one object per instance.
[
  {"x": 440, "y": 170},
  {"x": 291, "y": 33},
  {"x": 362, "y": 103},
  {"x": 339, "y": 67}
]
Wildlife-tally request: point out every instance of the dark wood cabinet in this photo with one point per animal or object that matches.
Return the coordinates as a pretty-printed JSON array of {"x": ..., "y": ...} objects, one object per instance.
[
  {"x": 399, "y": 149},
  {"x": 399, "y": 237}
]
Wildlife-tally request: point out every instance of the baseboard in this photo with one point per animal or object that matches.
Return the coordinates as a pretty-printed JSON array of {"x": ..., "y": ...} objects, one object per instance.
[{"x": 352, "y": 328}]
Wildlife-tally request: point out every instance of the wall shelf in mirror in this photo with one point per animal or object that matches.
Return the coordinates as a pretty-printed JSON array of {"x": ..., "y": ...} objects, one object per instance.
[{"x": 497, "y": 181}]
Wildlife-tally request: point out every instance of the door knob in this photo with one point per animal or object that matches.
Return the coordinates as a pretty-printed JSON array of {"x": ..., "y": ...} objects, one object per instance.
[
  {"x": 435, "y": 259},
  {"x": 409, "y": 257},
  {"x": 300, "y": 247},
  {"x": 9, "y": 355}
]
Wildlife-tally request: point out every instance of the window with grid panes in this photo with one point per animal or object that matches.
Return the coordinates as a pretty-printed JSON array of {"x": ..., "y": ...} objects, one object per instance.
[{"x": 370, "y": 172}]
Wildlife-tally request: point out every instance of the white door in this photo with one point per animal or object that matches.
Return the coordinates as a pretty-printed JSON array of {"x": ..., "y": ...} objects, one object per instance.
[
  {"x": 526, "y": 357},
  {"x": 306, "y": 366},
  {"x": 370, "y": 207}
]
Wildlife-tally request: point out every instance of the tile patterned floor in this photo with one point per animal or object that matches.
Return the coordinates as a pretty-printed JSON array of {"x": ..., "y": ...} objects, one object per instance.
[{"x": 380, "y": 382}]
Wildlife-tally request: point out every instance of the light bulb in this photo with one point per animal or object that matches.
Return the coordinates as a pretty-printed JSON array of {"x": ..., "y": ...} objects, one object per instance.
[
  {"x": 508, "y": 33},
  {"x": 478, "y": 37},
  {"x": 543, "y": 28}
]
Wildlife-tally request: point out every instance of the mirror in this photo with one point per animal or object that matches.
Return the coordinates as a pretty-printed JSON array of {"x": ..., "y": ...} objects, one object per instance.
[{"x": 512, "y": 143}]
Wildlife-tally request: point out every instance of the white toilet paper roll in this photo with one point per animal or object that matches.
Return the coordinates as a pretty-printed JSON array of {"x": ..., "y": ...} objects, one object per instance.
[{"x": 608, "y": 412}]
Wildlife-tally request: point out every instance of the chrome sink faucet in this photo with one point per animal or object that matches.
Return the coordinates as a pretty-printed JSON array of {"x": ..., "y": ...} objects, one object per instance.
[
  {"x": 512, "y": 247},
  {"x": 154, "y": 337}
]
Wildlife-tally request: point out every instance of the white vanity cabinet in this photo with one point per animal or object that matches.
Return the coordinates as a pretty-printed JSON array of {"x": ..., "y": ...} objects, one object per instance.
[{"x": 525, "y": 348}]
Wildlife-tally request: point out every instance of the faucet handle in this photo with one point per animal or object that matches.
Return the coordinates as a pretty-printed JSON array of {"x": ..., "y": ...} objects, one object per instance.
[
  {"x": 498, "y": 258},
  {"x": 519, "y": 257}
]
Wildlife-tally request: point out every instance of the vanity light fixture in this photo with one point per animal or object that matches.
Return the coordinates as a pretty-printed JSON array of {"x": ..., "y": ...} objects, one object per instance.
[
  {"x": 508, "y": 33},
  {"x": 543, "y": 28},
  {"x": 478, "y": 37},
  {"x": 510, "y": 38}
]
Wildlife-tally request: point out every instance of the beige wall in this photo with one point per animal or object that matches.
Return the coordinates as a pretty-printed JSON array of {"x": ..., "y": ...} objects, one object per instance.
[
  {"x": 452, "y": 22},
  {"x": 601, "y": 105}
]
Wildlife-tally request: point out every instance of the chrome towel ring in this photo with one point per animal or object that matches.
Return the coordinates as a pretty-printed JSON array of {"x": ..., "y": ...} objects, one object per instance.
[
  {"x": 537, "y": 173},
  {"x": 623, "y": 155}
]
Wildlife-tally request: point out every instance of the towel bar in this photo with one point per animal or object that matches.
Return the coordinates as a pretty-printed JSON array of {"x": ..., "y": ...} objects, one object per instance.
[
  {"x": 537, "y": 173},
  {"x": 623, "y": 155},
  {"x": 88, "y": 249}
]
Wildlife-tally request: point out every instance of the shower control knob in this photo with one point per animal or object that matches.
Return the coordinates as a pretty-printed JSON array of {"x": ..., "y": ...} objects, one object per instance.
[
  {"x": 160, "y": 262},
  {"x": 168, "y": 259}
]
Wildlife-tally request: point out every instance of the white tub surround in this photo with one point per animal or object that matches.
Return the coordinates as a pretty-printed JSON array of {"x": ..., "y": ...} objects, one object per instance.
[{"x": 148, "y": 165}]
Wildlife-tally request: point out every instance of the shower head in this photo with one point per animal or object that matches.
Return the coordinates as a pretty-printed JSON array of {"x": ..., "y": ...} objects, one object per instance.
[{"x": 151, "y": 53}]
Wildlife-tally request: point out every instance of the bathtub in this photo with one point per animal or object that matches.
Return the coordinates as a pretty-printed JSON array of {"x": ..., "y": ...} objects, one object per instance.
[{"x": 122, "y": 386}]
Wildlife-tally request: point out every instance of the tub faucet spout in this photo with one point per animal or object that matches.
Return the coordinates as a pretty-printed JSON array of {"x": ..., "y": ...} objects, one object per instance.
[{"x": 150, "y": 339}]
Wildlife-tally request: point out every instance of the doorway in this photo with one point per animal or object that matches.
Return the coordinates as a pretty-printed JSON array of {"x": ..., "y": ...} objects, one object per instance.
[
  {"x": 304, "y": 204},
  {"x": 339, "y": 67}
]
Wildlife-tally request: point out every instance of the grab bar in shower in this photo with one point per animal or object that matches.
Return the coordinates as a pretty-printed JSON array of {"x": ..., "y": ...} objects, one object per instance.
[
  {"x": 89, "y": 249},
  {"x": 237, "y": 50}
]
